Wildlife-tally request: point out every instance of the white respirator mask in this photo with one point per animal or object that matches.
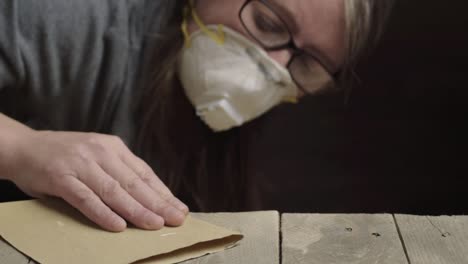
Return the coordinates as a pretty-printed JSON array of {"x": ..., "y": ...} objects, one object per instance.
[{"x": 229, "y": 79}]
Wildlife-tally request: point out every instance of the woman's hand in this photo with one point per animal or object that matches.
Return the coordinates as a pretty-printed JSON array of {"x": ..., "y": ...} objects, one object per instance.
[{"x": 98, "y": 175}]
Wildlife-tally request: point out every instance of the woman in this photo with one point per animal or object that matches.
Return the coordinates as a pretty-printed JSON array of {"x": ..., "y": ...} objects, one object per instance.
[{"x": 132, "y": 73}]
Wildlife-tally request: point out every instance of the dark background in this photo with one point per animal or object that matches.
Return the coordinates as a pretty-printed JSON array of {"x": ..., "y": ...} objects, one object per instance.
[{"x": 397, "y": 146}]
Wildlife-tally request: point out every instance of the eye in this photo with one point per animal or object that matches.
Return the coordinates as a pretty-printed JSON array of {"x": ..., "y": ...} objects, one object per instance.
[{"x": 268, "y": 24}]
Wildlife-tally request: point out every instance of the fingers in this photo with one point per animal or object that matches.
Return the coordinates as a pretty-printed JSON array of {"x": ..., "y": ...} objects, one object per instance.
[
  {"x": 152, "y": 180},
  {"x": 87, "y": 202},
  {"x": 118, "y": 199},
  {"x": 88, "y": 171},
  {"x": 142, "y": 193}
]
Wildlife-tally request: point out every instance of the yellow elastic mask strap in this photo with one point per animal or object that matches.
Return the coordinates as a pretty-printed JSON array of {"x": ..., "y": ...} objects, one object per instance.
[
  {"x": 218, "y": 36},
  {"x": 185, "y": 27},
  {"x": 291, "y": 100}
]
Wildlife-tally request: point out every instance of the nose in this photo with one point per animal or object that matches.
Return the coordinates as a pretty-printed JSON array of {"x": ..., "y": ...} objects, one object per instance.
[{"x": 281, "y": 56}]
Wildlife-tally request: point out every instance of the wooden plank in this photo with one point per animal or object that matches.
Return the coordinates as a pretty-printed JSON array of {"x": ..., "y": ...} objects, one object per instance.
[
  {"x": 259, "y": 245},
  {"x": 440, "y": 239},
  {"x": 261, "y": 238},
  {"x": 350, "y": 239},
  {"x": 9, "y": 254}
]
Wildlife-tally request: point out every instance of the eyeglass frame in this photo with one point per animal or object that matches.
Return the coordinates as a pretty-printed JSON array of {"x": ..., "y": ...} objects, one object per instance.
[{"x": 291, "y": 44}]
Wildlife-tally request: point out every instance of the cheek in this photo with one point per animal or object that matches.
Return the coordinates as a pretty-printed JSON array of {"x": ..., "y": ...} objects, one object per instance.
[{"x": 325, "y": 30}]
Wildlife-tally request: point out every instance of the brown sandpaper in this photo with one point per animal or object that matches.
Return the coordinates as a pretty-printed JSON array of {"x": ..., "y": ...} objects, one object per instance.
[{"x": 50, "y": 231}]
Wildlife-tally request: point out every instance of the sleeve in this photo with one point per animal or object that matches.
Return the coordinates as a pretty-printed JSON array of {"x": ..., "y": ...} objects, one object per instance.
[
  {"x": 11, "y": 69},
  {"x": 63, "y": 63}
]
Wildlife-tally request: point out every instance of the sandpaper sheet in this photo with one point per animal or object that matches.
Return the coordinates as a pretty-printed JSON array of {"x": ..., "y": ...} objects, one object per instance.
[{"x": 50, "y": 231}]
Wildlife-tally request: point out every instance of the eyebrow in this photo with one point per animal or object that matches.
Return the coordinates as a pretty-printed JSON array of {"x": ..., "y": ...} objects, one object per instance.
[{"x": 293, "y": 27}]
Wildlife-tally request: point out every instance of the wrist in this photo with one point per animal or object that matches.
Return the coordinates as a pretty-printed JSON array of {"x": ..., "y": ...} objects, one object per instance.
[{"x": 13, "y": 143}]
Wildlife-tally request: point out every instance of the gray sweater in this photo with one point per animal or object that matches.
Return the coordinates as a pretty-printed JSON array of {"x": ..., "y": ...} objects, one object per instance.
[{"x": 74, "y": 65}]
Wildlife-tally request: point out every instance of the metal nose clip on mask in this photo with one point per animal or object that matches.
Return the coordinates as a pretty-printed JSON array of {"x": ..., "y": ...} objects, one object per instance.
[{"x": 229, "y": 79}]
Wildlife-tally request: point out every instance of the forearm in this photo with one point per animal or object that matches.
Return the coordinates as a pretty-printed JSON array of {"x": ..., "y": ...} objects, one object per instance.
[{"x": 11, "y": 134}]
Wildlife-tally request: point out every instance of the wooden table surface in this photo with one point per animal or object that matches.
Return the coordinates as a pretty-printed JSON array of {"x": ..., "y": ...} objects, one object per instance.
[{"x": 330, "y": 238}]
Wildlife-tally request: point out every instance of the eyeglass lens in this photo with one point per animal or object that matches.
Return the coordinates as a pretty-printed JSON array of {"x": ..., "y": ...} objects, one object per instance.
[{"x": 266, "y": 27}]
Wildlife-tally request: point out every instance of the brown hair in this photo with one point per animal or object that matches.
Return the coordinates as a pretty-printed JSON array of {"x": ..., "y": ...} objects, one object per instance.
[
  {"x": 198, "y": 165},
  {"x": 205, "y": 168},
  {"x": 365, "y": 23}
]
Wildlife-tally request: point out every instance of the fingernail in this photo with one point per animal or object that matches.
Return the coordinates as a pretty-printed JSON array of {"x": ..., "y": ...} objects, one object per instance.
[
  {"x": 175, "y": 216},
  {"x": 117, "y": 224},
  {"x": 153, "y": 221},
  {"x": 182, "y": 207}
]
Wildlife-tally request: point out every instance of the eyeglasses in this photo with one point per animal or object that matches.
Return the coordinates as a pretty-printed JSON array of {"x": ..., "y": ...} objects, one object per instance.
[{"x": 267, "y": 27}]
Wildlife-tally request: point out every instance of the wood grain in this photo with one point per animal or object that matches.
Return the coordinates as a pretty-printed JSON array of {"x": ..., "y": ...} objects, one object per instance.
[
  {"x": 9, "y": 254},
  {"x": 350, "y": 239},
  {"x": 261, "y": 238},
  {"x": 317, "y": 238},
  {"x": 434, "y": 240}
]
